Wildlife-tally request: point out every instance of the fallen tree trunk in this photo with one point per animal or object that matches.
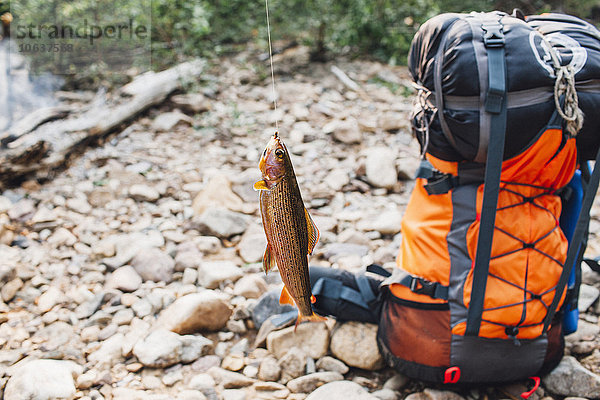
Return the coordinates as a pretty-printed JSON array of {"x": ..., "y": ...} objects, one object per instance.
[{"x": 41, "y": 145}]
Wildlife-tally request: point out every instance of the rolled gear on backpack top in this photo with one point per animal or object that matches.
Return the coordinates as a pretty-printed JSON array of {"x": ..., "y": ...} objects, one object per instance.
[
  {"x": 481, "y": 264},
  {"x": 577, "y": 44}
]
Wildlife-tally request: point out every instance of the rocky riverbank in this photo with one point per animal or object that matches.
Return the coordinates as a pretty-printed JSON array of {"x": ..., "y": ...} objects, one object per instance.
[{"x": 135, "y": 273}]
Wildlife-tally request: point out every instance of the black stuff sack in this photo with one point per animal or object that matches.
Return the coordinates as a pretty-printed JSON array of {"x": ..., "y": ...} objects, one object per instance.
[{"x": 448, "y": 62}]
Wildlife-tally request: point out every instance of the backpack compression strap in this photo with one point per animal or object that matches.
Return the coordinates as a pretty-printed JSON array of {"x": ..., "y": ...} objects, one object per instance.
[
  {"x": 580, "y": 230},
  {"x": 495, "y": 104}
]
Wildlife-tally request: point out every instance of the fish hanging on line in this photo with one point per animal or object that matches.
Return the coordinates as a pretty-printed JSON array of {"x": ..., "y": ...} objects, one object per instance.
[{"x": 291, "y": 232}]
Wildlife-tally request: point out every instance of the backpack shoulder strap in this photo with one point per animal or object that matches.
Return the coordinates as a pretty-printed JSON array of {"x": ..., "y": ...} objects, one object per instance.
[
  {"x": 495, "y": 104},
  {"x": 580, "y": 231}
]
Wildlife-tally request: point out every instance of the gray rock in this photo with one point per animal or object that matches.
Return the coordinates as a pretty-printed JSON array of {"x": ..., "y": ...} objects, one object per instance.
[
  {"x": 268, "y": 305},
  {"x": 154, "y": 265},
  {"x": 204, "y": 311},
  {"x": 79, "y": 204},
  {"x": 128, "y": 246},
  {"x": 208, "y": 244},
  {"x": 347, "y": 131},
  {"x": 293, "y": 364},
  {"x": 201, "y": 382},
  {"x": 312, "y": 338},
  {"x": 190, "y": 258},
  {"x": 269, "y": 369},
  {"x": 163, "y": 348},
  {"x": 44, "y": 214},
  {"x": 337, "y": 250},
  {"x": 43, "y": 380},
  {"x": 190, "y": 395},
  {"x": 407, "y": 167},
  {"x": 89, "y": 307},
  {"x": 221, "y": 222},
  {"x": 61, "y": 237},
  {"x": 10, "y": 289},
  {"x": 311, "y": 367},
  {"x": 212, "y": 273},
  {"x": 387, "y": 222},
  {"x": 169, "y": 120},
  {"x": 328, "y": 363},
  {"x": 233, "y": 362},
  {"x": 251, "y": 371},
  {"x": 252, "y": 245},
  {"x": 233, "y": 394},
  {"x": 236, "y": 326},
  {"x": 218, "y": 194},
  {"x": 86, "y": 380},
  {"x": 205, "y": 363},
  {"x": 192, "y": 102},
  {"x": 585, "y": 331},
  {"x": 56, "y": 335},
  {"x": 5, "y": 204},
  {"x": 392, "y": 121},
  {"x": 587, "y": 296},
  {"x": 337, "y": 179},
  {"x": 229, "y": 379},
  {"x": 353, "y": 236},
  {"x": 250, "y": 286},
  {"x": 355, "y": 344},
  {"x": 381, "y": 167},
  {"x": 396, "y": 382},
  {"x": 49, "y": 299},
  {"x": 125, "y": 279},
  {"x": 22, "y": 210},
  {"x": 7, "y": 273},
  {"x": 308, "y": 383},
  {"x": 190, "y": 276},
  {"x": 194, "y": 346},
  {"x": 270, "y": 390},
  {"x": 385, "y": 394},
  {"x": 142, "y": 308},
  {"x": 109, "y": 353},
  {"x": 123, "y": 317},
  {"x": 342, "y": 390},
  {"x": 570, "y": 378}
]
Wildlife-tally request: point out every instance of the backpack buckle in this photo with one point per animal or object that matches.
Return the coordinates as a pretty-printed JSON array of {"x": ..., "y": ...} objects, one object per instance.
[
  {"x": 422, "y": 286},
  {"x": 493, "y": 35}
]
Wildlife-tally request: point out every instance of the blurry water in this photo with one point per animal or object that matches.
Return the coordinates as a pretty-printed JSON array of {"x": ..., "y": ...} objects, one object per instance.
[{"x": 20, "y": 92}]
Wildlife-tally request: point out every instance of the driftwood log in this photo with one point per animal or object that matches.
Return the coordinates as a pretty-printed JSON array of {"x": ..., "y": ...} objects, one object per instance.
[{"x": 45, "y": 140}]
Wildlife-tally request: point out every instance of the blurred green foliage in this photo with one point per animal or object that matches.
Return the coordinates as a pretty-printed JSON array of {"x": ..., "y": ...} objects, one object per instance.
[{"x": 379, "y": 28}]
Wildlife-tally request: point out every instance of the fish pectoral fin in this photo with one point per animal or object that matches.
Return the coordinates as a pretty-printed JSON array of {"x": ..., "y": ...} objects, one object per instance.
[
  {"x": 260, "y": 185},
  {"x": 285, "y": 297},
  {"x": 313, "y": 232},
  {"x": 268, "y": 260}
]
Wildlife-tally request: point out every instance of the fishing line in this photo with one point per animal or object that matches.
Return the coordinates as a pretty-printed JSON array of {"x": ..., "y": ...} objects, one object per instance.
[{"x": 272, "y": 73}]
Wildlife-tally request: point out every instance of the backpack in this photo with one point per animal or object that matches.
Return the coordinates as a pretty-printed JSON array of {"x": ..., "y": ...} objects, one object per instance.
[{"x": 480, "y": 295}]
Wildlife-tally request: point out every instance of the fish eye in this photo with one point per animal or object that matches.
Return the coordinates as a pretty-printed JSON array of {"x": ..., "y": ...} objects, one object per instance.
[
  {"x": 264, "y": 152},
  {"x": 279, "y": 153}
]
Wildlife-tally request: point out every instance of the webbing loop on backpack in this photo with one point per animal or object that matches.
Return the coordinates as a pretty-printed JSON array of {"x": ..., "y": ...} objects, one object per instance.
[{"x": 495, "y": 104}]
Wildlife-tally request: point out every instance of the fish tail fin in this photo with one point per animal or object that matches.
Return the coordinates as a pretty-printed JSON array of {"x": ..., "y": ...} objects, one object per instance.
[{"x": 312, "y": 318}]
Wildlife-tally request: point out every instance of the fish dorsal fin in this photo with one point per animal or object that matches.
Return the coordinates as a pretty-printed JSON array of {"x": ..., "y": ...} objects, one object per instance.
[
  {"x": 285, "y": 297},
  {"x": 260, "y": 185},
  {"x": 313, "y": 232},
  {"x": 268, "y": 260}
]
